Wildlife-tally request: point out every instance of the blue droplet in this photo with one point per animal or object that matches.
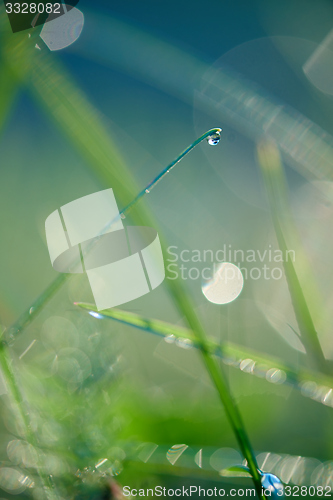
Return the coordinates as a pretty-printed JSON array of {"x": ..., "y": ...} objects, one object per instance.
[
  {"x": 214, "y": 138},
  {"x": 272, "y": 484}
]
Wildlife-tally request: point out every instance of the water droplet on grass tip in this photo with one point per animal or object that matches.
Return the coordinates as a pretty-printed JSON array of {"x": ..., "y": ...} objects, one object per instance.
[
  {"x": 147, "y": 191},
  {"x": 214, "y": 138}
]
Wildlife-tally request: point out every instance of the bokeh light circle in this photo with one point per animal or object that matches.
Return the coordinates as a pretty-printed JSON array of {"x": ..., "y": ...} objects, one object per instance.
[{"x": 226, "y": 284}]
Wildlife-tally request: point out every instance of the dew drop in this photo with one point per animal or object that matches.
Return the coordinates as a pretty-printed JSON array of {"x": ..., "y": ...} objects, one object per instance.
[
  {"x": 147, "y": 191},
  {"x": 214, "y": 138},
  {"x": 175, "y": 452},
  {"x": 228, "y": 360},
  {"x": 272, "y": 484},
  {"x": 184, "y": 343},
  {"x": 169, "y": 339},
  {"x": 123, "y": 216},
  {"x": 308, "y": 388},
  {"x": 116, "y": 468}
]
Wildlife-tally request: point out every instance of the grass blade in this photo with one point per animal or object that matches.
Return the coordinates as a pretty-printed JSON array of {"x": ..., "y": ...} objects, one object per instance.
[
  {"x": 272, "y": 172},
  {"x": 232, "y": 354}
]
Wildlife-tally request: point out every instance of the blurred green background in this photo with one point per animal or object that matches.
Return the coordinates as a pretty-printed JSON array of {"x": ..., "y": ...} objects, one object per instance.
[{"x": 158, "y": 75}]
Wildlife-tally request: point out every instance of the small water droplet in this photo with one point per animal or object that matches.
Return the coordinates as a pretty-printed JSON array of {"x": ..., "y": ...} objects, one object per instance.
[
  {"x": 10, "y": 336},
  {"x": 169, "y": 339},
  {"x": 31, "y": 310},
  {"x": 229, "y": 360},
  {"x": 198, "y": 459},
  {"x": 175, "y": 452},
  {"x": 147, "y": 191},
  {"x": 184, "y": 343},
  {"x": 260, "y": 370},
  {"x": 214, "y": 138},
  {"x": 308, "y": 388},
  {"x": 168, "y": 171},
  {"x": 123, "y": 216},
  {"x": 276, "y": 376},
  {"x": 116, "y": 468},
  {"x": 247, "y": 365},
  {"x": 37, "y": 47},
  {"x": 272, "y": 484}
]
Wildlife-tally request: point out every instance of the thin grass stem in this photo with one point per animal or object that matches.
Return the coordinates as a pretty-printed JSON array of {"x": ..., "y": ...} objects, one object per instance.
[{"x": 231, "y": 353}]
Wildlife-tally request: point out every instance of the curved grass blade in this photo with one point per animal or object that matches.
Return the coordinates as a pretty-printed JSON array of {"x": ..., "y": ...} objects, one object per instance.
[
  {"x": 240, "y": 102},
  {"x": 41, "y": 301},
  {"x": 245, "y": 359}
]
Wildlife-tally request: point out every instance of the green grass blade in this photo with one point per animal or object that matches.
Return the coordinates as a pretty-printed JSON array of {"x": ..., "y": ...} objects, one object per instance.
[
  {"x": 8, "y": 91},
  {"x": 9, "y": 83},
  {"x": 273, "y": 176},
  {"x": 233, "y": 354}
]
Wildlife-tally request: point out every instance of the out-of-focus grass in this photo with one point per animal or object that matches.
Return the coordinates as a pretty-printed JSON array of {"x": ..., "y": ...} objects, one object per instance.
[
  {"x": 84, "y": 417},
  {"x": 8, "y": 92},
  {"x": 21, "y": 414},
  {"x": 272, "y": 171}
]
